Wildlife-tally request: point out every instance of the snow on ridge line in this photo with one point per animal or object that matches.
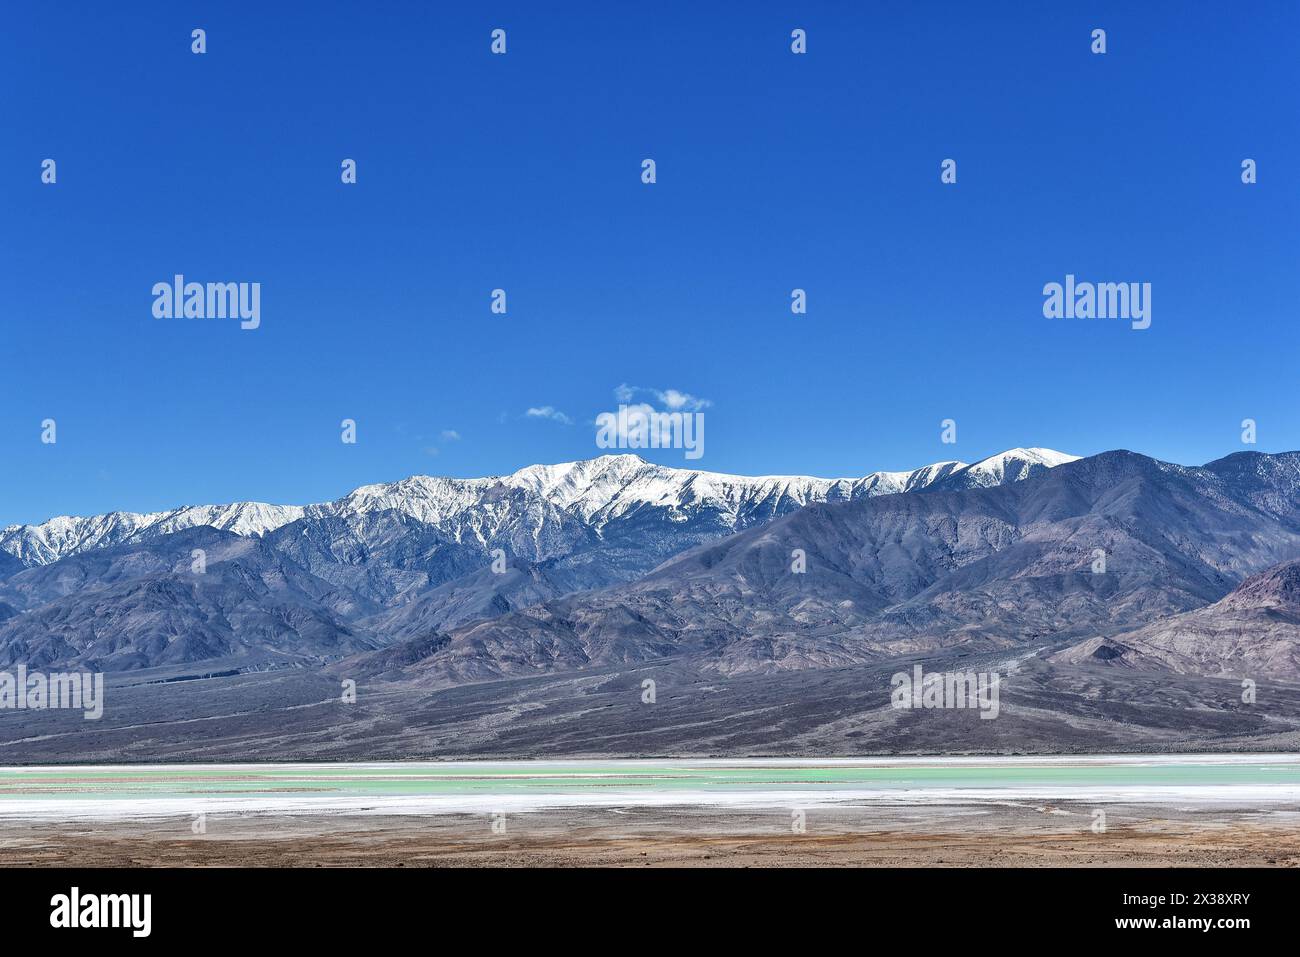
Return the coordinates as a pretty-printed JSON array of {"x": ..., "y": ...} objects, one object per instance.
[{"x": 606, "y": 485}]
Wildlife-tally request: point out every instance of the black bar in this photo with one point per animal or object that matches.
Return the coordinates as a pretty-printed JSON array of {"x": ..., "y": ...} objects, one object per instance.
[{"x": 547, "y": 908}]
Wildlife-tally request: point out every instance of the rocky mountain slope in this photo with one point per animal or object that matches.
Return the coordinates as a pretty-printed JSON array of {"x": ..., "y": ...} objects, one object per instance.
[
  {"x": 1253, "y": 632},
  {"x": 412, "y": 556},
  {"x": 749, "y": 655},
  {"x": 537, "y": 513},
  {"x": 904, "y": 574},
  {"x": 145, "y": 605}
]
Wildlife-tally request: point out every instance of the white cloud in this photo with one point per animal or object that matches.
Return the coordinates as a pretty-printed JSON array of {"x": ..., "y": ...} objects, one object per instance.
[
  {"x": 682, "y": 401},
  {"x": 673, "y": 400},
  {"x": 548, "y": 412},
  {"x": 450, "y": 435}
]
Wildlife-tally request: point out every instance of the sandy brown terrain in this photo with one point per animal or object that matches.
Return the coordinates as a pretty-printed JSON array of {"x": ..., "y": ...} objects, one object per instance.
[{"x": 971, "y": 837}]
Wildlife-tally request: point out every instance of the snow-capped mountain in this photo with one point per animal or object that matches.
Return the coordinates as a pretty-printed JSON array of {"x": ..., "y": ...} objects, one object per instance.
[
  {"x": 70, "y": 535},
  {"x": 528, "y": 505},
  {"x": 362, "y": 589},
  {"x": 599, "y": 491},
  {"x": 1006, "y": 467},
  {"x": 976, "y": 568}
]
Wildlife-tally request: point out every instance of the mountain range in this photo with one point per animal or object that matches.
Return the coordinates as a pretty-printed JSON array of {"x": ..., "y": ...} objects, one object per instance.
[
  {"x": 912, "y": 573},
  {"x": 1088, "y": 572},
  {"x": 528, "y": 508},
  {"x": 400, "y": 558}
]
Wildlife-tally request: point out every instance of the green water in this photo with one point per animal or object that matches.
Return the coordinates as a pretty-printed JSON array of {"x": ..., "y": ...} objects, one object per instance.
[{"x": 488, "y": 778}]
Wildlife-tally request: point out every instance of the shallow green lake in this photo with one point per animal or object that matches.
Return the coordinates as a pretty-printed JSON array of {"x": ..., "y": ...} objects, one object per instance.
[{"x": 696, "y": 777}]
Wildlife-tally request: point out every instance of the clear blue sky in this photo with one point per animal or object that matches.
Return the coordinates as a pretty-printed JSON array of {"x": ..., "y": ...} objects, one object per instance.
[{"x": 522, "y": 171}]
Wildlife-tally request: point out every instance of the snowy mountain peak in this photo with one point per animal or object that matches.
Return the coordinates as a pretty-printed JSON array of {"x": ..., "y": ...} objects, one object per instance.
[
  {"x": 1011, "y": 466},
  {"x": 526, "y": 505},
  {"x": 1049, "y": 457}
]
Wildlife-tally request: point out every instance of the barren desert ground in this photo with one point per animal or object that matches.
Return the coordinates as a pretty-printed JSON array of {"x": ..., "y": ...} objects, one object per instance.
[
  {"x": 960, "y": 837},
  {"x": 1101, "y": 810}
]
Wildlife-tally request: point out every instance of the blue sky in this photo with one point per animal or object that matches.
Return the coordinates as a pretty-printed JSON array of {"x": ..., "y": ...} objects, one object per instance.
[{"x": 522, "y": 171}]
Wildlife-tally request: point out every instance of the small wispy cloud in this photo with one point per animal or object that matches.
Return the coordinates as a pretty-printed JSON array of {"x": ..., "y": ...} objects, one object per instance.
[
  {"x": 446, "y": 435},
  {"x": 673, "y": 400},
  {"x": 548, "y": 412}
]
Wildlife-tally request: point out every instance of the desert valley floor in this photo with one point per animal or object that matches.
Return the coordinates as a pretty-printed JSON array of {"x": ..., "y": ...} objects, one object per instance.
[{"x": 1239, "y": 810}]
